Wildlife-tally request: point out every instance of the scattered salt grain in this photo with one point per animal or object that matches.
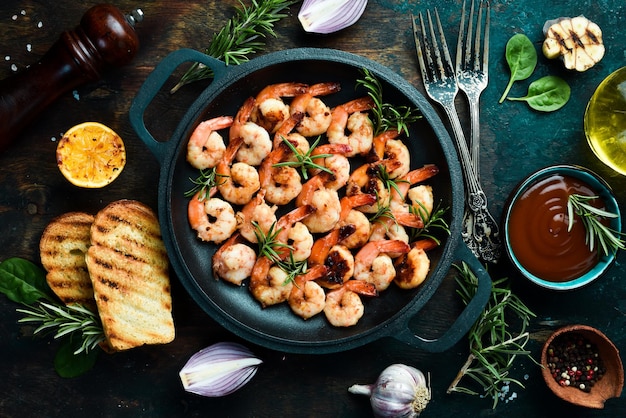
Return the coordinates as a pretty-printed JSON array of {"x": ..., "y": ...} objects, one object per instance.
[
  {"x": 526, "y": 377},
  {"x": 29, "y": 47},
  {"x": 75, "y": 94},
  {"x": 53, "y": 139},
  {"x": 7, "y": 58},
  {"x": 13, "y": 67},
  {"x": 14, "y": 17},
  {"x": 23, "y": 12},
  {"x": 40, "y": 24}
]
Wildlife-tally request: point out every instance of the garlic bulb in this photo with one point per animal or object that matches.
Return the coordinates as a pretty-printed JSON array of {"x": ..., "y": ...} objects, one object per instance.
[
  {"x": 577, "y": 41},
  {"x": 400, "y": 391},
  {"x": 327, "y": 16},
  {"x": 219, "y": 369}
]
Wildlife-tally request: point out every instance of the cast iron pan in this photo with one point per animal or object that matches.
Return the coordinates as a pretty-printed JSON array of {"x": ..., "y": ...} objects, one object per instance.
[{"x": 233, "y": 307}]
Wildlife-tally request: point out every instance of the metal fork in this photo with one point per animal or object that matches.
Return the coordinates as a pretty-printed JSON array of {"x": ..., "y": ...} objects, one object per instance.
[
  {"x": 472, "y": 72},
  {"x": 481, "y": 232}
]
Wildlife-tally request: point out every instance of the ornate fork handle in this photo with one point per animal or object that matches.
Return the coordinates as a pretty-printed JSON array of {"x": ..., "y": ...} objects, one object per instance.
[{"x": 480, "y": 231}]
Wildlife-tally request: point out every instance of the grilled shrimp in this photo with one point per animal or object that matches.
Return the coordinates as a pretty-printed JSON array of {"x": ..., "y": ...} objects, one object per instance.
[
  {"x": 412, "y": 268},
  {"x": 317, "y": 114},
  {"x": 268, "y": 283},
  {"x": 259, "y": 212},
  {"x": 271, "y": 111},
  {"x": 233, "y": 261},
  {"x": 373, "y": 262},
  {"x": 326, "y": 204},
  {"x": 307, "y": 298},
  {"x": 206, "y": 146},
  {"x": 240, "y": 181},
  {"x": 349, "y": 116},
  {"x": 343, "y": 306},
  {"x": 213, "y": 219},
  {"x": 387, "y": 147},
  {"x": 256, "y": 144}
]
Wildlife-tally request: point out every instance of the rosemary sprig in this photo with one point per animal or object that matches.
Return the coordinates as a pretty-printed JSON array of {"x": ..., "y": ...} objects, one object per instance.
[
  {"x": 383, "y": 212},
  {"x": 389, "y": 183},
  {"x": 204, "y": 183},
  {"x": 386, "y": 116},
  {"x": 494, "y": 347},
  {"x": 292, "y": 268},
  {"x": 304, "y": 161},
  {"x": 244, "y": 34},
  {"x": 609, "y": 239},
  {"x": 66, "y": 320},
  {"x": 268, "y": 242},
  {"x": 432, "y": 221}
]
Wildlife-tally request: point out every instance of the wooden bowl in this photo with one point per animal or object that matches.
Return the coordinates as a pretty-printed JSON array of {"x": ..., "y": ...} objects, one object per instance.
[{"x": 609, "y": 386}]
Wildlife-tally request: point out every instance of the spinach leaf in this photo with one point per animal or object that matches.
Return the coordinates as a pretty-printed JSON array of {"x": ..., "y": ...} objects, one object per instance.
[
  {"x": 23, "y": 282},
  {"x": 67, "y": 364},
  {"x": 547, "y": 94},
  {"x": 522, "y": 59}
]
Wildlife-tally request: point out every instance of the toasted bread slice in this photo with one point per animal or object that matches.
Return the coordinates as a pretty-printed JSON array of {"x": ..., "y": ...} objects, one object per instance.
[
  {"x": 128, "y": 267},
  {"x": 62, "y": 249}
]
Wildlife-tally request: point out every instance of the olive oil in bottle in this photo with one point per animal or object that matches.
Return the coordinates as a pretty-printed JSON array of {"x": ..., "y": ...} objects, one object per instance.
[{"x": 605, "y": 121}]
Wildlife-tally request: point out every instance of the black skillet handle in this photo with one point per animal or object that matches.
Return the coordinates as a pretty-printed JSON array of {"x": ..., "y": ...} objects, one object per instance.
[
  {"x": 153, "y": 85},
  {"x": 466, "y": 319}
]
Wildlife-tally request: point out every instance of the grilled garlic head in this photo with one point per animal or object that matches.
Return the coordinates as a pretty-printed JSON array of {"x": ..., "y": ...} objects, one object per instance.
[{"x": 578, "y": 41}]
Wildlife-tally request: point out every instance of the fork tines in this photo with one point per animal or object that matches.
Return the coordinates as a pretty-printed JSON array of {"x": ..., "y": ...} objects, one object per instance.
[
  {"x": 468, "y": 53},
  {"x": 438, "y": 68}
]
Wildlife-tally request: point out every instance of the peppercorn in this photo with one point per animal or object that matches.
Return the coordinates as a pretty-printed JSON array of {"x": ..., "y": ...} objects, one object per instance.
[{"x": 575, "y": 361}]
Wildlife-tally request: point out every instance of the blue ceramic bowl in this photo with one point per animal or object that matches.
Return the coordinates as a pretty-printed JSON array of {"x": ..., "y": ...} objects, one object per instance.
[{"x": 602, "y": 189}]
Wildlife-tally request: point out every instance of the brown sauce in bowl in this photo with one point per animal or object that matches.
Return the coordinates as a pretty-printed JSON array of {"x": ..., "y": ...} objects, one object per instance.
[{"x": 538, "y": 230}]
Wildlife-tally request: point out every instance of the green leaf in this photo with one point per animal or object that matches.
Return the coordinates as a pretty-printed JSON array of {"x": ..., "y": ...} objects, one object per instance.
[
  {"x": 67, "y": 364},
  {"x": 547, "y": 94},
  {"x": 23, "y": 282},
  {"x": 522, "y": 59}
]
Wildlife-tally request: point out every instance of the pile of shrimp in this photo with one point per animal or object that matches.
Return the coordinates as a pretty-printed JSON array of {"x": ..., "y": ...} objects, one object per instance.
[{"x": 326, "y": 223}]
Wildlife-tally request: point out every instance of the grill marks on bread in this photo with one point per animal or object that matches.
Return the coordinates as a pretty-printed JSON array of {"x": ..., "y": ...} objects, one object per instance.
[
  {"x": 128, "y": 266},
  {"x": 62, "y": 249}
]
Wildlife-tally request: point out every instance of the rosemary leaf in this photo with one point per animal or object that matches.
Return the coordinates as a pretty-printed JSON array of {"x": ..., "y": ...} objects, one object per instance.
[
  {"x": 591, "y": 218},
  {"x": 66, "y": 321},
  {"x": 386, "y": 116},
  {"x": 304, "y": 161},
  {"x": 268, "y": 242},
  {"x": 494, "y": 345},
  {"x": 207, "y": 180},
  {"x": 243, "y": 35}
]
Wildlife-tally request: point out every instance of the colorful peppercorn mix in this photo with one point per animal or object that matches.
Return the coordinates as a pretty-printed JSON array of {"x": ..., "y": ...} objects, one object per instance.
[{"x": 574, "y": 361}]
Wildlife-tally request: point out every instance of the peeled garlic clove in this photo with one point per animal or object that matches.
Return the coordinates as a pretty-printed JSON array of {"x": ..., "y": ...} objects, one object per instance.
[
  {"x": 219, "y": 369},
  {"x": 400, "y": 391},
  {"x": 327, "y": 16},
  {"x": 578, "y": 41}
]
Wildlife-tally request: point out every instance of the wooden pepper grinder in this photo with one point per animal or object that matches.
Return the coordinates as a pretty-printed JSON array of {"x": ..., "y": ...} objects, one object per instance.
[{"x": 104, "y": 39}]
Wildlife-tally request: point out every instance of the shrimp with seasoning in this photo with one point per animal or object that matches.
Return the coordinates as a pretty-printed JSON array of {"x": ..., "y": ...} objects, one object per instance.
[
  {"x": 326, "y": 203},
  {"x": 350, "y": 116},
  {"x": 335, "y": 161},
  {"x": 373, "y": 262},
  {"x": 240, "y": 181},
  {"x": 412, "y": 268},
  {"x": 268, "y": 283},
  {"x": 340, "y": 263},
  {"x": 421, "y": 199},
  {"x": 392, "y": 227},
  {"x": 256, "y": 144},
  {"x": 386, "y": 146},
  {"x": 307, "y": 298},
  {"x": 344, "y": 306},
  {"x": 318, "y": 115},
  {"x": 212, "y": 218},
  {"x": 206, "y": 146},
  {"x": 258, "y": 212},
  {"x": 268, "y": 289},
  {"x": 270, "y": 110},
  {"x": 397, "y": 202},
  {"x": 233, "y": 261},
  {"x": 301, "y": 241},
  {"x": 366, "y": 180},
  {"x": 281, "y": 184}
]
